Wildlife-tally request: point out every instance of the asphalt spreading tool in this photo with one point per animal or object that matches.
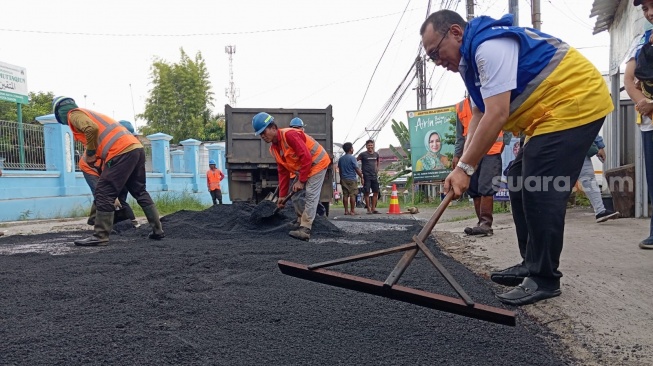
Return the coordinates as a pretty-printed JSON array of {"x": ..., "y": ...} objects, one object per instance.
[{"x": 464, "y": 305}]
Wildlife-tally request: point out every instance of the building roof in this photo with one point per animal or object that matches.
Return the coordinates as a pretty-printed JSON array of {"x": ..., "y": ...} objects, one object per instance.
[
  {"x": 387, "y": 154},
  {"x": 604, "y": 11}
]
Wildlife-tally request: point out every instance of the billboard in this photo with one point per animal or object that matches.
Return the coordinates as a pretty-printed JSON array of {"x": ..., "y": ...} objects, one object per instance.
[
  {"x": 13, "y": 83},
  {"x": 430, "y": 130}
]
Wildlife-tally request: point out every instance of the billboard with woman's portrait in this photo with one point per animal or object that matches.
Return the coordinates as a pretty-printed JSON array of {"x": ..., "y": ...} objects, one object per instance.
[{"x": 432, "y": 132}]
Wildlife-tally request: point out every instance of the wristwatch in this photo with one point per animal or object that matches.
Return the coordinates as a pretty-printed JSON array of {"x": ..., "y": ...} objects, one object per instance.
[{"x": 468, "y": 169}]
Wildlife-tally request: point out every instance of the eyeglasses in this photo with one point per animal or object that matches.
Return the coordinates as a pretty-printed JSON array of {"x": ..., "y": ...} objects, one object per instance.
[{"x": 434, "y": 55}]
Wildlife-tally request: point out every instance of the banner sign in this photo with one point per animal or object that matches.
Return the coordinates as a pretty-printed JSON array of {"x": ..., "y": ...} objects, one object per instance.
[
  {"x": 430, "y": 154},
  {"x": 13, "y": 83}
]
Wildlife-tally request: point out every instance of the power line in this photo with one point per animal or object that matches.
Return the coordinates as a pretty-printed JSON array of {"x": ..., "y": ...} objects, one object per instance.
[
  {"x": 200, "y": 34},
  {"x": 376, "y": 67}
]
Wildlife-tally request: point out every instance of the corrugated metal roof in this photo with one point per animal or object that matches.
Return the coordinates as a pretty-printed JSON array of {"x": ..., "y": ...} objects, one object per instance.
[{"x": 604, "y": 10}]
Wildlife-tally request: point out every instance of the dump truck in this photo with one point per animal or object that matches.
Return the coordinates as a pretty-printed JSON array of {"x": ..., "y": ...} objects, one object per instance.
[{"x": 252, "y": 171}]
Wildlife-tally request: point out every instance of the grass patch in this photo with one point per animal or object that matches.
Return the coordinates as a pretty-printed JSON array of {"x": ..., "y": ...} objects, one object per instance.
[
  {"x": 171, "y": 202},
  {"x": 462, "y": 218}
]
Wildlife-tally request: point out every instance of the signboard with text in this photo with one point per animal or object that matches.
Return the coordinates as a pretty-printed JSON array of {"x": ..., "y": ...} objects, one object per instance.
[
  {"x": 430, "y": 154},
  {"x": 13, "y": 83}
]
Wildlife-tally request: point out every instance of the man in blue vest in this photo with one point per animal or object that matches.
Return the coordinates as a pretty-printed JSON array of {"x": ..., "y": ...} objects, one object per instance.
[{"x": 524, "y": 81}]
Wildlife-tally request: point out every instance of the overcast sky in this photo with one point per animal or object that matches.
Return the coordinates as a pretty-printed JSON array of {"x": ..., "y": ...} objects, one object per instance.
[{"x": 289, "y": 53}]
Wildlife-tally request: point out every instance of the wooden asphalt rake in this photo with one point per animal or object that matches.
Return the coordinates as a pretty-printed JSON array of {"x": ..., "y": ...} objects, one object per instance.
[{"x": 462, "y": 306}]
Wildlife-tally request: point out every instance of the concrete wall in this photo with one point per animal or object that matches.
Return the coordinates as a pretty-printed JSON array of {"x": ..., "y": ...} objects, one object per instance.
[{"x": 60, "y": 191}]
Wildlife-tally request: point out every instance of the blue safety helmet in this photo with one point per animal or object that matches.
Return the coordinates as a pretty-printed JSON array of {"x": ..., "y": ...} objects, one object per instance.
[
  {"x": 61, "y": 101},
  {"x": 212, "y": 162},
  {"x": 297, "y": 123},
  {"x": 128, "y": 125},
  {"x": 260, "y": 122}
]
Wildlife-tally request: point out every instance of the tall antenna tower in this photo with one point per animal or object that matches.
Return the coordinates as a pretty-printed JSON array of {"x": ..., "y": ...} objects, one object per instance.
[{"x": 231, "y": 92}]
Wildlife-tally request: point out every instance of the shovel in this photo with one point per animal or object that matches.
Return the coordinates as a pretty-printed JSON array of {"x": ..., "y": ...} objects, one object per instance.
[
  {"x": 271, "y": 196},
  {"x": 264, "y": 211}
]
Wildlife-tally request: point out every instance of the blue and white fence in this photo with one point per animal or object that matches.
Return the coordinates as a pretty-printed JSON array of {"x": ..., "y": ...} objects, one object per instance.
[{"x": 60, "y": 190}]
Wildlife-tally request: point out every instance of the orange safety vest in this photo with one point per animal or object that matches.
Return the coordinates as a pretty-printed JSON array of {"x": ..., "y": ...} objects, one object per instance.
[
  {"x": 289, "y": 159},
  {"x": 213, "y": 179},
  {"x": 464, "y": 110},
  {"x": 83, "y": 166},
  {"x": 113, "y": 138}
]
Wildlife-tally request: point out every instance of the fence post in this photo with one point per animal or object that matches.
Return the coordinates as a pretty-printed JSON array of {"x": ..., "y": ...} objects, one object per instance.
[
  {"x": 59, "y": 152},
  {"x": 178, "y": 161},
  {"x": 192, "y": 160},
  {"x": 161, "y": 157}
]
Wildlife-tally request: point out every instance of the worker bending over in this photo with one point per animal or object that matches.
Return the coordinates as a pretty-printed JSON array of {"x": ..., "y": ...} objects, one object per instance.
[{"x": 298, "y": 153}]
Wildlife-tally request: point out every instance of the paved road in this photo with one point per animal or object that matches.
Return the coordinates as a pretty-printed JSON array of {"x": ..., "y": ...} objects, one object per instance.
[
  {"x": 604, "y": 316},
  {"x": 605, "y": 313}
]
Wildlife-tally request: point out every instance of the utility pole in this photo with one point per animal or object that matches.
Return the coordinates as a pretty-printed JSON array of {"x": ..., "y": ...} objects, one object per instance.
[
  {"x": 420, "y": 67},
  {"x": 513, "y": 8},
  {"x": 470, "y": 10},
  {"x": 231, "y": 92},
  {"x": 536, "y": 14}
]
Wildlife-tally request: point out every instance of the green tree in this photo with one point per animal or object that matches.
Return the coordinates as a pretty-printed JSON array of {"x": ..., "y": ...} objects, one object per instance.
[
  {"x": 404, "y": 165},
  {"x": 180, "y": 99},
  {"x": 39, "y": 104},
  {"x": 215, "y": 128}
]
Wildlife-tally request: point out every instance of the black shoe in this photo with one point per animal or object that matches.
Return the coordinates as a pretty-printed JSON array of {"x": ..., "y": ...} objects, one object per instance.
[
  {"x": 527, "y": 293},
  {"x": 511, "y": 276},
  {"x": 607, "y": 215}
]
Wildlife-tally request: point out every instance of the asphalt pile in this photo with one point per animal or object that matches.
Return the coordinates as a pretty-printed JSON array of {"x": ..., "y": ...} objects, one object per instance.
[{"x": 234, "y": 221}]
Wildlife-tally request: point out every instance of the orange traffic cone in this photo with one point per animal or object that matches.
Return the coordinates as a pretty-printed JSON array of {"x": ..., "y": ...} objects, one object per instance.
[{"x": 394, "y": 201}]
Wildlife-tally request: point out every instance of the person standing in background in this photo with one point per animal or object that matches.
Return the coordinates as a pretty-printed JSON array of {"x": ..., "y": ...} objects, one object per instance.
[
  {"x": 370, "y": 166},
  {"x": 643, "y": 103},
  {"x": 348, "y": 169},
  {"x": 213, "y": 178},
  {"x": 481, "y": 184}
]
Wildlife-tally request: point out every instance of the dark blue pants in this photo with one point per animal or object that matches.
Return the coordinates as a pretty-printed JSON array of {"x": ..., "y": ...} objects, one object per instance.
[{"x": 647, "y": 144}]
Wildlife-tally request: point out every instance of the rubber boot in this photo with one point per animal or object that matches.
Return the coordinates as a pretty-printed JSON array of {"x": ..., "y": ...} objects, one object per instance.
[
  {"x": 91, "y": 216},
  {"x": 477, "y": 208},
  {"x": 487, "y": 208},
  {"x": 153, "y": 218},
  {"x": 100, "y": 237}
]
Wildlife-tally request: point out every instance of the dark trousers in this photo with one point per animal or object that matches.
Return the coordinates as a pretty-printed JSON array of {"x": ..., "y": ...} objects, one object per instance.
[
  {"x": 647, "y": 144},
  {"x": 482, "y": 181},
  {"x": 123, "y": 171},
  {"x": 540, "y": 181},
  {"x": 92, "y": 180},
  {"x": 216, "y": 194}
]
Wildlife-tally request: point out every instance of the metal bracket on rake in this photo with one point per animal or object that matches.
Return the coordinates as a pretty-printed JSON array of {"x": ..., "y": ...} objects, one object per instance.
[{"x": 463, "y": 306}]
